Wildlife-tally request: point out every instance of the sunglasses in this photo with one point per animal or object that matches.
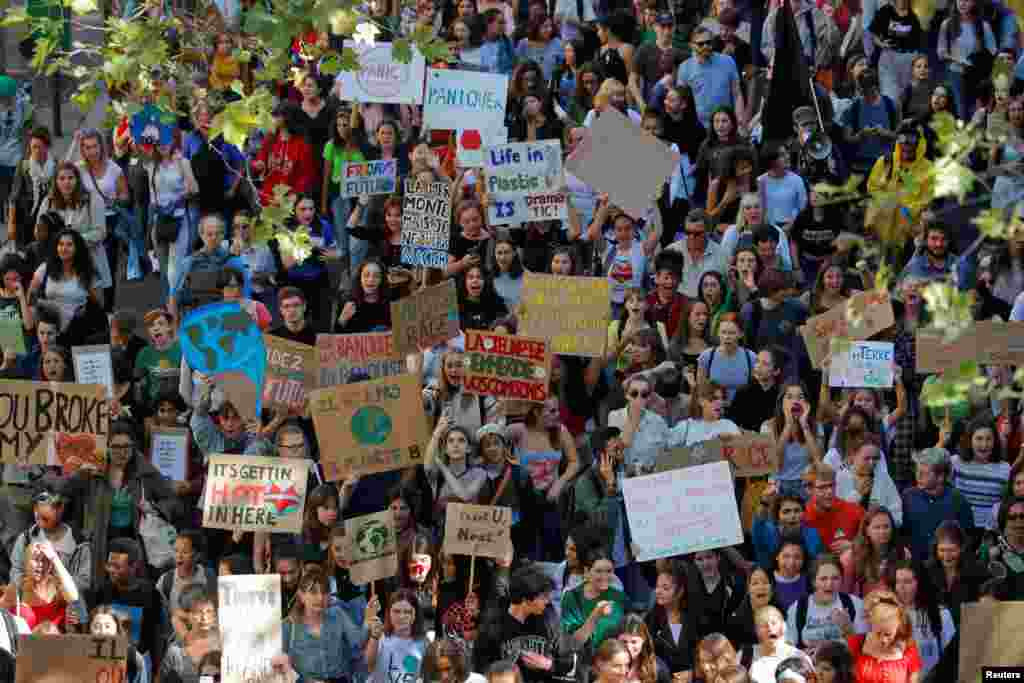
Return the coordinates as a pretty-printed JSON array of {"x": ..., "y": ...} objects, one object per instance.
[
  {"x": 701, "y": 43},
  {"x": 48, "y": 498},
  {"x": 639, "y": 394},
  {"x": 1015, "y": 517}
]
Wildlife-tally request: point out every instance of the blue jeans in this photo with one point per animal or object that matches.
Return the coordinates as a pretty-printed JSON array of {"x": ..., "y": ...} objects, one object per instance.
[{"x": 964, "y": 109}]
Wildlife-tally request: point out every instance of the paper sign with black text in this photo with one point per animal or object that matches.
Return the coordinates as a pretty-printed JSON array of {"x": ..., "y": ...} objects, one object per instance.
[
  {"x": 481, "y": 530},
  {"x": 55, "y": 423},
  {"x": 507, "y": 366},
  {"x": 93, "y": 365},
  {"x": 249, "y": 617},
  {"x": 426, "y": 224},
  {"x": 425, "y": 318},
  {"x": 169, "y": 452}
]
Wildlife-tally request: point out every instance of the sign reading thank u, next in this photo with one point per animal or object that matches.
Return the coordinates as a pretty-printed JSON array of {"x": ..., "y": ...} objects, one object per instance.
[{"x": 464, "y": 99}]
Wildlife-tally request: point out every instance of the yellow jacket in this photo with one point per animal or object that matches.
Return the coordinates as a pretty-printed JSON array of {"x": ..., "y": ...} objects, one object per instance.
[{"x": 887, "y": 175}]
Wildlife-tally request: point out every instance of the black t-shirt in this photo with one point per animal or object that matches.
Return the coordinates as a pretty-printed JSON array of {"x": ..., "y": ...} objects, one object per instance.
[
  {"x": 904, "y": 33},
  {"x": 741, "y": 53},
  {"x": 813, "y": 235},
  {"x": 645, "y": 63},
  {"x": 459, "y": 245}
]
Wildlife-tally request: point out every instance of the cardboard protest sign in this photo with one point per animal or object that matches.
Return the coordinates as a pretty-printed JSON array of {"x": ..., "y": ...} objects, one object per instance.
[
  {"x": 872, "y": 313},
  {"x": 571, "y": 312},
  {"x": 93, "y": 365},
  {"x": 223, "y": 342},
  {"x": 521, "y": 179},
  {"x": 368, "y": 177},
  {"x": 863, "y": 364},
  {"x": 55, "y": 423},
  {"x": 507, "y": 366},
  {"x": 249, "y": 617},
  {"x": 255, "y": 493},
  {"x": 471, "y": 144},
  {"x": 999, "y": 343},
  {"x": 12, "y": 334},
  {"x": 425, "y": 318},
  {"x": 368, "y": 427},
  {"x": 373, "y": 548},
  {"x": 381, "y": 77},
  {"x": 291, "y": 372},
  {"x": 934, "y": 354},
  {"x": 426, "y": 224},
  {"x": 751, "y": 454},
  {"x": 620, "y": 159},
  {"x": 472, "y": 99},
  {"x": 682, "y": 511},
  {"x": 71, "y": 659},
  {"x": 169, "y": 452},
  {"x": 347, "y": 358},
  {"x": 482, "y": 530},
  {"x": 989, "y": 636},
  {"x": 689, "y": 456},
  {"x": 988, "y": 342}
]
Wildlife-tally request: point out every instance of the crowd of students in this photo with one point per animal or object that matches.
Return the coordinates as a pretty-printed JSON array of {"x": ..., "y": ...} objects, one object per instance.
[{"x": 884, "y": 517}]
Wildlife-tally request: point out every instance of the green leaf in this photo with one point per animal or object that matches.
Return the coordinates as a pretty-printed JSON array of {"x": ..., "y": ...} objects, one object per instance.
[
  {"x": 83, "y": 6},
  {"x": 992, "y": 223},
  {"x": 401, "y": 50},
  {"x": 330, "y": 65},
  {"x": 349, "y": 60},
  {"x": 16, "y": 16}
]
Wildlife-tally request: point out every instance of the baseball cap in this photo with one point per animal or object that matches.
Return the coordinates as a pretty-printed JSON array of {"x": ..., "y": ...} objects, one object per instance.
[
  {"x": 665, "y": 19},
  {"x": 933, "y": 457},
  {"x": 8, "y": 86}
]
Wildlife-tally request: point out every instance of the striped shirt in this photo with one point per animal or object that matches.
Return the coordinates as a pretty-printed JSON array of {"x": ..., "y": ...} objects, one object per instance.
[{"x": 982, "y": 484}]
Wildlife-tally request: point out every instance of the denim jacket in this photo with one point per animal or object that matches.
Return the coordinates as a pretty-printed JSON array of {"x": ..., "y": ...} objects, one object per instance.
[{"x": 330, "y": 655}]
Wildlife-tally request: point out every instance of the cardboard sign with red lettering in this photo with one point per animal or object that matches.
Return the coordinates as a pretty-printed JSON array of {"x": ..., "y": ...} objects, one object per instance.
[
  {"x": 347, "y": 358},
  {"x": 425, "y": 318},
  {"x": 507, "y": 366},
  {"x": 482, "y": 530},
  {"x": 752, "y": 454},
  {"x": 71, "y": 659},
  {"x": 255, "y": 493},
  {"x": 872, "y": 313},
  {"x": 291, "y": 372}
]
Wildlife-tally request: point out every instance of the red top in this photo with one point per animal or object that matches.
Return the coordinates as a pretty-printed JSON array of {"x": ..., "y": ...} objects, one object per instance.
[
  {"x": 867, "y": 669},
  {"x": 841, "y": 522},
  {"x": 286, "y": 163}
]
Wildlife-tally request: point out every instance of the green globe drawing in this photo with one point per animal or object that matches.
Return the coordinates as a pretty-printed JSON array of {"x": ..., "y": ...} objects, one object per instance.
[{"x": 371, "y": 426}]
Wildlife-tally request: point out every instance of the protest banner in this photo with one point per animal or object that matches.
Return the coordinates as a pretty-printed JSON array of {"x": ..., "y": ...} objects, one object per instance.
[
  {"x": 871, "y": 313},
  {"x": 700, "y": 453},
  {"x": 933, "y": 353},
  {"x": 291, "y": 372},
  {"x": 863, "y": 364},
  {"x": 381, "y": 77},
  {"x": 426, "y": 224},
  {"x": 255, "y": 493},
  {"x": 473, "y": 99},
  {"x": 480, "y": 530},
  {"x": 999, "y": 343},
  {"x": 169, "y": 452},
  {"x": 347, "y": 358},
  {"x": 12, "y": 334},
  {"x": 571, "y": 312},
  {"x": 54, "y": 423},
  {"x": 223, "y": 342},
  {"x": 682, "y": 511},
  {"x": 368, "y": 177},
  {"x": 989, "y": 637},
  {"x": 373, "y": 548},
  {"x": 507, "y": 366},
  {"x": 425, "y": 318},
  {"x": 93, "y": 365},
  {"x": 522, "y": 175},
  {"x": 989, "y": 342},
  {"x": 249, "y": 617},
  {"x": 369, "y": 427},
  {"x": 71, "y": 659},
  {"x": 751, "y": 454},
  {"x": 471, "y": 144},
  {"x": 620, "y": 159}
]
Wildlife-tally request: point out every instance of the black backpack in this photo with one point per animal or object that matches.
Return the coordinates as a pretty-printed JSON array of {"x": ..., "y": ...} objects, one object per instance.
[{"x": 801, "y": 614}]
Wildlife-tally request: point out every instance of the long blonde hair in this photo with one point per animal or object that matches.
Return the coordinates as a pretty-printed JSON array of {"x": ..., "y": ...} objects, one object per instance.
[{"x": 605, "y": 92}]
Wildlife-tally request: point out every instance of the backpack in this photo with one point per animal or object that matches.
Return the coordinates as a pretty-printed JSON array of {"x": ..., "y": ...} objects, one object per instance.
[
  {"x": 610, "y": 64},
  {"x": 746, "y": 354},
  {"x": 801, "y": 614}
]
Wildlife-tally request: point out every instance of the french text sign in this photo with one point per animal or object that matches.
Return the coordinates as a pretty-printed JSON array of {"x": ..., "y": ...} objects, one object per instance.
[
  {"x": 426, "y": 224},
  {"x": 255, "y": 493},
  {"x": 347, "y": 358},
  {"x": 381, "y": 77},
  {"x": 368, "y": 427},
  {"x": 682, "y": 511},
  {"x": 368, "y": 177},
  {"x": 468, "y": 98},
  {"x": 572, "y": 312},
  {"x": 291, "y": 372},
  {"x": 870, "y": 313},
  {"x": 507, "y": 366},
  {"x": 249, "y": 617},
  {"x": 482, "y": 530},
  {"x": 425, "y": 318},
  {"x": 863, "y": 364}
]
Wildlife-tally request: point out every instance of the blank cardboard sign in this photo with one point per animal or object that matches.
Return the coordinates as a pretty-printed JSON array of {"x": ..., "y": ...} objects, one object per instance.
[{"x": 618, "y": 158}]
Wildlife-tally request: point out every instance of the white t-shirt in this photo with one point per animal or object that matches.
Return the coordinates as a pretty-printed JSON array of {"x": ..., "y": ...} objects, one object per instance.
[
  {"x": 819, "y": 624},
  {"x": 398, "y": 660},
  {"x": 762, "y": 668}
]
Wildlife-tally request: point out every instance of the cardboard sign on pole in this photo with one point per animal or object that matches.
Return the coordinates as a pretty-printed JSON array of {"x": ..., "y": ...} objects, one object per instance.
[
  {"x": 373, "y": 548},
  {"x": 425, "y": 318},
  {"x": 368, "y": 427},
  {"x": 71, "y": 659},
  {"x": 348, "y": 358},
  {"x": 291, "y": 372},
  {"x": 55, "y": 423},
  {"x": 872, "y": 313},
  {"x": 571, "y": 312},
  {"x": 249, "y": 617},
  {"x": 255, "y": 493},
  {"x": 481, "y": 530},
  {"x": 507, "y": 366},
  {"x": 682, "y": 511}
]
